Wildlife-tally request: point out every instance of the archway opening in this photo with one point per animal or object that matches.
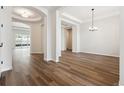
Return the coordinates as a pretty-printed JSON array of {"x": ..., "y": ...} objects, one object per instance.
[
  {"x": 21, "y": 37},
  {"x": 34, "y": 23}
]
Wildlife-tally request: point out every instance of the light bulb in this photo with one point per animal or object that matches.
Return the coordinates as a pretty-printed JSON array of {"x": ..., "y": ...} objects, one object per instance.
[{"x": 93, "y": 28}]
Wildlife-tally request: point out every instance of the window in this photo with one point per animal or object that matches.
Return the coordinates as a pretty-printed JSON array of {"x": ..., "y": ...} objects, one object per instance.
[{"x": 22, "y": 40}]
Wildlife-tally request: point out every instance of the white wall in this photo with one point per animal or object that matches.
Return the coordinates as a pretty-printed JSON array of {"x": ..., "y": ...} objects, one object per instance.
[
  {"x": 105, "y": 41},
  {"x": 122, "y": 47},
  {"x": 6, "y": 39}
]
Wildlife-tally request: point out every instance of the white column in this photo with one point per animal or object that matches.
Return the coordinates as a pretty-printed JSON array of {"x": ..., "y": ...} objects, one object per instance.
[
  {"x": 63, "y": 39},
  {"x": 50, "y": 40},
  {"x": 76, "y": 38},
  {"x": 47, "y": 46},
  {"x": 54, "y": 36},
  {"x": 58, "y": 35}
]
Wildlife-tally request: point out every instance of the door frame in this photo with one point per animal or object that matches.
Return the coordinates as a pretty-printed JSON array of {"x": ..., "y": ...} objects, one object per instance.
[{"x": 75, "y": 37}]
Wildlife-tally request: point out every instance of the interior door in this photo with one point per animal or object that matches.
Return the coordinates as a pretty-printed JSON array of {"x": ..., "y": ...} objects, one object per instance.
[{"x": 5, "y": 38}]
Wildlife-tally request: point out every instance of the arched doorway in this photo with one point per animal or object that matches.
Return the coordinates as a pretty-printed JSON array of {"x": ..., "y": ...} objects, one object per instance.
[
  {"x": 6, "y": 52},
  {"x": 43, "y": 22}
]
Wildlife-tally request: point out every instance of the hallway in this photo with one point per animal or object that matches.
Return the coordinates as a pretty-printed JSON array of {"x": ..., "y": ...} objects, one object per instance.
[{"x": 74, "y": 69}]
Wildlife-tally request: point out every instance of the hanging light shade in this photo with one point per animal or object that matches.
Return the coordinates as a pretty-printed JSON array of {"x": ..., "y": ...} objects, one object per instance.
[{"x": 92, "y": 27}]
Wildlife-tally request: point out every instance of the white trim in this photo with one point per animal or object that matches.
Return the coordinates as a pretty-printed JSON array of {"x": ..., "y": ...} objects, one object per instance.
[
  {"x": 120, "y": 83},
  {"x": 24, "y": 19},
  {"x": 21, "y": 28},
  {"x": 102, "y": 17},
  {"x": 45, "y": 11},
  {"x": 6, "y": 69},
  {"x": 36, "y": 52},
  {"x": 69, "y": 21},
  {"x": 100, "y": 54},
  {"x": 55, "y": 61},
  {"x": 71, "y": 17},
  {"x": 47, "y": 60}
]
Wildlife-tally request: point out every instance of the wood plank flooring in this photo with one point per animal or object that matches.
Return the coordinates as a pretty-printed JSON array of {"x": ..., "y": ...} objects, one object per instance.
[{"x": 77, "y": 69}]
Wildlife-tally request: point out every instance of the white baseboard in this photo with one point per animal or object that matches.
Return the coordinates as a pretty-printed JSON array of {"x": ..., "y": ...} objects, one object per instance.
[
  {"x": 120, "y": 83},
  {"x": 36, "y": 53},
  {"x": 55, "y": 60},
  {"x": 100, "y": 54},
  {"x": 6, "y": 69},
  {"x": 76, "y": 51},
  {"x": 51, "y": 60},
  {"x": 47, "y": 60}
]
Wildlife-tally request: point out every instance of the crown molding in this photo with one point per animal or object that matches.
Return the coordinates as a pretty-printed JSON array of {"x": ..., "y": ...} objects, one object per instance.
[
  {"x": 66, "y": 27},
  {"x": 41, "y": 10},
  {"x": 69, "y": 21},
  {"x": 26, "y": 19},
  {"x": 22, "y": 28},
  {"x": 102, "y": 17},
  {"x": 68, "y": 16},
  {"x": 65, "y": 15}
]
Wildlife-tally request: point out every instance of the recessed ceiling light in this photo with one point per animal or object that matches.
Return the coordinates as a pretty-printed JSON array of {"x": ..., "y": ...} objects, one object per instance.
[
  {"x": 25, "y": 15},
  {"x": 24, "y": 12}
]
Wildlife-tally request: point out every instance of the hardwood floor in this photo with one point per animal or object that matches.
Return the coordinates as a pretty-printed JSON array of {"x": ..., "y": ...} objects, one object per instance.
[{"x": 73, "y": 69}]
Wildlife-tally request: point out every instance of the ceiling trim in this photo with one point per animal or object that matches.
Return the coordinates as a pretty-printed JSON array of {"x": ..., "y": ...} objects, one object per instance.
[
  {"x": 69, "y": 21},
  {"x": 21, "y": 28},
  {"x": 102, "y": 17},
  {"x": 66, "y": 27},
  {"x": 41, "y": 10},
  {"x": 25, "y": 19},
  {"x": 71, "y": 17}
]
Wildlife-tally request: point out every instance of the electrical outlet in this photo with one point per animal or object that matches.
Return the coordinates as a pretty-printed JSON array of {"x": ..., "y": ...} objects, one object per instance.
[
  {"x": 1, "y": 7},
  {"x": 1, "y": 25},
  {"x": 1, "y": 62}
]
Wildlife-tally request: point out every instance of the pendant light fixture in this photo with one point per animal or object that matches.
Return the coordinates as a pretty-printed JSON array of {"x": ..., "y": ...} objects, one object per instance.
[{"x": 92, "y": 27}]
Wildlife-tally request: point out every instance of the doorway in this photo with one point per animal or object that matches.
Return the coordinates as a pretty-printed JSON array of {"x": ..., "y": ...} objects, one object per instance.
[
  {"x": 28, "y": 29},
  {"x": 10, "y": 42},
  {"x": 66, "y": 37},
  {"x": 75, "y": 37},
  {"x": 69, "y": 39},
  {"x": 21, "y": 37}
]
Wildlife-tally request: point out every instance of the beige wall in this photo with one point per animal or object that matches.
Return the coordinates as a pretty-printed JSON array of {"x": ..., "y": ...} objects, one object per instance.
[
  {"x": 69, "y": 39},
  {"x": 36, "y": 38},
  {"x": 66, "y": 39}
]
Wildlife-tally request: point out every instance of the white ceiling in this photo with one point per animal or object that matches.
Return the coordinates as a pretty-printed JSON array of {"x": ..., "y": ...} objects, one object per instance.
[
  {"x": 84, "y": 12},
  {"x": 29, "y": 14},
  {"x": 81, "y": 13},
  {"x": 18, "y": 11},
  {"x": 51, "y": 7}
]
